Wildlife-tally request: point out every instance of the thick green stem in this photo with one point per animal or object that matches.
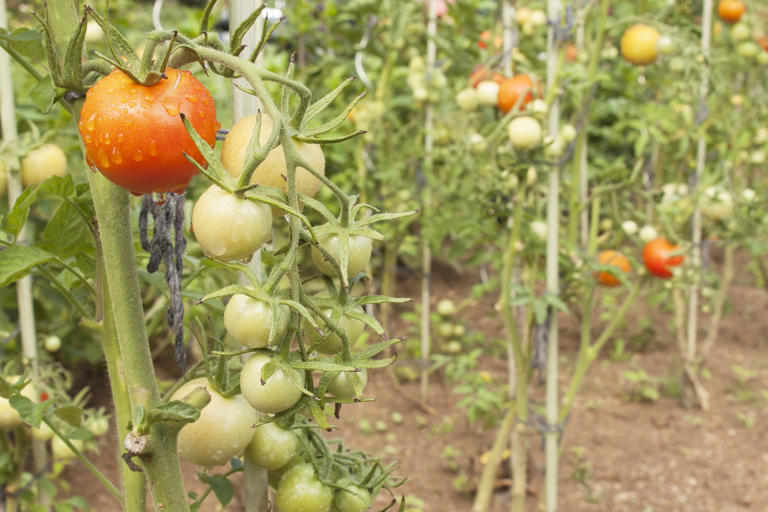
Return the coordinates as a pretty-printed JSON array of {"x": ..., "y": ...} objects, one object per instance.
[{"x": 133, "y": 482}]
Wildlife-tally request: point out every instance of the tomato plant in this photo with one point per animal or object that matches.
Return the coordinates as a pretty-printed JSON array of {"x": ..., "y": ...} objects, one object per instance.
[
  {"x": 660, "y": 256},
  {"x": 133, "y": 135}
]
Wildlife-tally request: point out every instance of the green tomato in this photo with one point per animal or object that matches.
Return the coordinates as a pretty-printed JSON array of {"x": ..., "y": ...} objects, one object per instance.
[
  {"x": 343, "y": 385},
  {"x": 352, "y": 499},
  {"x": 229, "y": 227},
  {"x": 9, "y": 417},
  {"x": 716, "y": 203},
  {"x": 42, "y": 163},
  {"x": 42, "y": 433},
  {"x": 359, "y": 254},
  {"x": 52, "y": 343},
  {"x": 524, "y": 132},
  {"x": 276, "y": 394},
  {"x": 446, "y": 307},
  {"x": 61, "y": 452},
  {"x": 272, "y": 447},
  {"x": 222, "y": 431},
  {"x": 249, "y": 321},
  {"x": 301, "y": 491},
  {"x": 331, "y": 343}
]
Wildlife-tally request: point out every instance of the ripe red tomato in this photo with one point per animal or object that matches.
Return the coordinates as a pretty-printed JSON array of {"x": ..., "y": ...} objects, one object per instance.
[
  {"x": 134, "y": 136},
  {"x": 731, "y": 11},
  {"x": 512, "y": 88},
  {"x": 657, "y": 259}
]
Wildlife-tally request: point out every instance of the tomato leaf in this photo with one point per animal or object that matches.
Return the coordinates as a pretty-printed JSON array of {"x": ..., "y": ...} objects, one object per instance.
[
  {"x": 17, "y": 217},
  {"x": 318, "y": 415},
  {"x": 19, "y": 260},
  {"x": 175, "y": 411},
  {"x": 43, "y": 94},
  {"x": 81, "y": 434},
  {"x": 71, "y": 414},
  {"x": 30, "y": 412},
  {"x": 323, "y": 366},
  {"x": 222, "y": 488}
]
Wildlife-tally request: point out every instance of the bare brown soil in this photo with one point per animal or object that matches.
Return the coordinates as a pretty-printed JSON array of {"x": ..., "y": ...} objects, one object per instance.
[{"x": 618, "y": 455}]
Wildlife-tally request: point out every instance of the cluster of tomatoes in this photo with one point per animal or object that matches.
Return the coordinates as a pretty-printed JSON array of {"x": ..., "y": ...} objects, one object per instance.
[
  {"x": 134, "y": 135},
  {"x": 659, "y": 256}
]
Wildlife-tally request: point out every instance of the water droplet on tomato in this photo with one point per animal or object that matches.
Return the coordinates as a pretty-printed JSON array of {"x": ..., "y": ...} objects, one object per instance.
[
  {"x": 105, "y": 139},
  {"x": 103, "y": 160},
  {"x": 172, "y": 107},
  {"x": 117, "y": 158},
  {"x": 90, "y": 124},
  {"x": 152, "y": 149},
  {"x": 138, "y": 156},
  {"x": 190, "y": 98},
  {"x": 120, "y": 137}
]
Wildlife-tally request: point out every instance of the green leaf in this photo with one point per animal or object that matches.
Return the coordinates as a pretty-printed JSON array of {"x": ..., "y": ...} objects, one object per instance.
[
  {"x": 323, "y": 366},
  {"x": 30, "y": 412},
  {"x": 71, "y": 414},
  {"x": 81, "y": 434},
  {"x": 222, "y": 488},
  {"x": 43, "y": 94},
  {"x": 21, "y": 35},
  {"x": 318, "y": 415},
  {"x": 16, "y": 218},
  {"x": 17, "y": 261},
  {"x": 175, "y": 411},
  {"x": 382, "y": 299},
  {"x": 66, "y": 233}
]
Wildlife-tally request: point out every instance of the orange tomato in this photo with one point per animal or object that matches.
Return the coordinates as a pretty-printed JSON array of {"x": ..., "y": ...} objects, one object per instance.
[
  {"x": 512, "y": 88},
  {"x": 659, "y": 256},
  {"x": 480, "y": 73},
  {"x": 763, "y": 41},
  {"x": 571, "y": 52},
  {"x": 485, "y": 38},
  {"x": 614, "y": 259},
  {"x": 731, "y": 11}
]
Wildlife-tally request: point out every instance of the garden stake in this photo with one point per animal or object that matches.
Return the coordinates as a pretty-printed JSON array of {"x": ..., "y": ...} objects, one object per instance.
[{"x": 27, "y": 326}]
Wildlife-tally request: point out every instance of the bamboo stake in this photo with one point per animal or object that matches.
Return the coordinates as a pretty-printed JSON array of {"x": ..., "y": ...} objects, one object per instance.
[
  {"x": 243, "y": 104},
  {"x": 24, "y": 285},
  {"x": 426, "y": 253},
  {"x": 553, "y": 220},
  {"x": 689, "y": 356}
]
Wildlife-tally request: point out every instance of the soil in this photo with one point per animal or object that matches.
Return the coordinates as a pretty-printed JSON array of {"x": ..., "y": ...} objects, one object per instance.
[{"x": 619, "y": 454}]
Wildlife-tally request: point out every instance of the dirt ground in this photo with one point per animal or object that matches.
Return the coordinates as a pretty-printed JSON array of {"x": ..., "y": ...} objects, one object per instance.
[{"x": 618, "y": 455}]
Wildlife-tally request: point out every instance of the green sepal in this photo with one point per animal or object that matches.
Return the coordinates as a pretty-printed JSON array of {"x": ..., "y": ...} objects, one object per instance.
[
  {"x": 236, "y": 45},
  {"x": 323, "y": 103},
  {"x": 72, "y": 72}
]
